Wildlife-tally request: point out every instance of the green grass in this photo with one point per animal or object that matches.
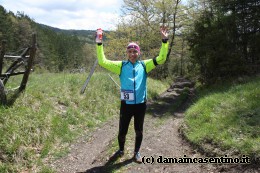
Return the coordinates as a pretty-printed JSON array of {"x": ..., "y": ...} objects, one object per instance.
[
  {"x": 41, "y": 123},
  {"x": 228, "y": 117}
]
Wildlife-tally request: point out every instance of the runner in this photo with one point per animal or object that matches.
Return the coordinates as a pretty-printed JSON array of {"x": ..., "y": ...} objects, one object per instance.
[{"x": 133, "y": 79}]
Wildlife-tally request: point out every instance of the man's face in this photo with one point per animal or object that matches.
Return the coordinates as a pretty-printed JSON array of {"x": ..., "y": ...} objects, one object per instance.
[{"x": 132, "y": 55}]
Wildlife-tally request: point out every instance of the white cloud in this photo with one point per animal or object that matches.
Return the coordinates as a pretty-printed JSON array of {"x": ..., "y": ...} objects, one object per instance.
[{"x": 69, "y": 14}]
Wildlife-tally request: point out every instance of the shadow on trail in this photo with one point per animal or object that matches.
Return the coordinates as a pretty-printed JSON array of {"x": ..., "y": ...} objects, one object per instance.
[
  {"x": 160, "y": 106},
  {"x": 174, "y": 99},
  {"x": 109, "y": 166},
  {"x": 168, "y": 104}
]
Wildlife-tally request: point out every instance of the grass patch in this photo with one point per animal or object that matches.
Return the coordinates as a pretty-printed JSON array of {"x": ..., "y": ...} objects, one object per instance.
[
  {"x": 155, "y": 87},
  {"x": 43, "y": 121},
  {"x": 227, "y": 117}
]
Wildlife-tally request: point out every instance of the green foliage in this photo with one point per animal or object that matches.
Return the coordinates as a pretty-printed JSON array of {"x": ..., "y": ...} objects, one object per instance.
[
  {"x": 223, "y": 40},
  {"x": 149, "y": 41},
  {"x": 144, "y": 20},
  {"x": 227, "y": 116},
  {"x": 58, "y": 50}
]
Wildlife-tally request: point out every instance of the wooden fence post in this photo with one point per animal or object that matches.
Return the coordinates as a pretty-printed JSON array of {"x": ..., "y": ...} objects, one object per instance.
[
  {"x": 2, "y": 54},
  {"x": 30, "y": 63},
  {"x": 2, "y": 88},
  {"x": 2, "y": 94}
]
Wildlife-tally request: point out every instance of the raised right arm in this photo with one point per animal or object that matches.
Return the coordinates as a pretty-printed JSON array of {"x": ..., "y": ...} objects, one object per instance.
[{"x": 113, "y": 66}]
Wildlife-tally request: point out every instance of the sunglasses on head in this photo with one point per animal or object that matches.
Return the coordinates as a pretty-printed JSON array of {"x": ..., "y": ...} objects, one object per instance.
[{"x": 132, "y": 47}]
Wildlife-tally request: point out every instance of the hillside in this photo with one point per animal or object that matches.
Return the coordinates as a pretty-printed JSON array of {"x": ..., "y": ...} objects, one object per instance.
[
  {"x": 44, "y": 120},
  {"x": 84, "y": 35},
  {"x": 81, "y": 33},
  {"x": 226, "y": 118},
  {"x": 57, "y": 50}
]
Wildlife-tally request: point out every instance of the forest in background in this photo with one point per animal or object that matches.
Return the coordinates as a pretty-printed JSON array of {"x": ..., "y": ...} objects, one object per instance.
[
  {"x": 57, "y": 50},
  {"x": 209, "y": 40}
]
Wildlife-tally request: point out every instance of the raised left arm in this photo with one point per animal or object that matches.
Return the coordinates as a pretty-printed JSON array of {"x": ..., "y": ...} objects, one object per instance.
[{"x": 150, "y": 64}]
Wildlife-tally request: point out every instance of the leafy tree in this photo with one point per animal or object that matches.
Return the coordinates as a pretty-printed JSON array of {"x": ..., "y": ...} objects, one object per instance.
[
  {"x": 224, "y": 38},
  {"x": 140, "y": 22}
]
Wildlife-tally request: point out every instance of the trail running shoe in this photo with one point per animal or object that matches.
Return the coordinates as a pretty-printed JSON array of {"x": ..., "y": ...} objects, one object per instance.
[
  {"x": 137, "y": 157},
  {"x": 119, "y": 153},
  {"x": 116, "y": 155}
]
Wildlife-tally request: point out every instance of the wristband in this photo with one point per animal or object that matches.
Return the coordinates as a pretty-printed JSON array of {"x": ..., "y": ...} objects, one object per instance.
[
  {"x": 165, "y": 40},
  {"x": 155, "y": 62}
]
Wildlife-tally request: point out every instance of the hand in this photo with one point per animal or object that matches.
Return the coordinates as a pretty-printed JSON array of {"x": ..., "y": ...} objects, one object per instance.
[
  {"x": 164, "y": 32},
  {"x": 99, "y": 35}
]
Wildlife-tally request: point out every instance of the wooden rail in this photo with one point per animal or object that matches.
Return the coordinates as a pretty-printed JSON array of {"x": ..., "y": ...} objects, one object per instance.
[{"x": 26, "y": 59}]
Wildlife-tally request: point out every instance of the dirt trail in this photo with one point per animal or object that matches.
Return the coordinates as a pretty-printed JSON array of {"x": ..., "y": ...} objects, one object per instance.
[
  {"x": 84, "y": 152},
  {"x": 161, "y": 138}
]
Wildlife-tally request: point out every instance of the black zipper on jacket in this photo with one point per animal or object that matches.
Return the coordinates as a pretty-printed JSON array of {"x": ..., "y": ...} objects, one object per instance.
[{"x": 134, "y": 82}]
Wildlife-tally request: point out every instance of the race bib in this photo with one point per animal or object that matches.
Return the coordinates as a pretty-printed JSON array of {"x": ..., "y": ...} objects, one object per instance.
[{"x": 127, "y": 95}]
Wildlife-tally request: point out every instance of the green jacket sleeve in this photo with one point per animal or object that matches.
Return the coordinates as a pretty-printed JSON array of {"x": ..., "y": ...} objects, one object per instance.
[
  {"x": 150, "y": 64},
  {"x": 113, "y": 66}
]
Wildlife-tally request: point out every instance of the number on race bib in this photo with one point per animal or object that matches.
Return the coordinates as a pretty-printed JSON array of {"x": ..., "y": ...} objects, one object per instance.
[{"x": 127, "y": 95}]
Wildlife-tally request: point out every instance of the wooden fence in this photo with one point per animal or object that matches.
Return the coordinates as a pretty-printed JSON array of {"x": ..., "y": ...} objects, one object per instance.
[{"x": 24, "y": 59}]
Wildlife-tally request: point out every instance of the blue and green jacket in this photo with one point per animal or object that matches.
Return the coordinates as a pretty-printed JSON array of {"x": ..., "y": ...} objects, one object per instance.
[{"x": 133, "y": 77}]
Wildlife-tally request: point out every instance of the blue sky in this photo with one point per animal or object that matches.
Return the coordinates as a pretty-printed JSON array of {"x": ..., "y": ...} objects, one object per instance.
[{"x": 69, "y": 14}]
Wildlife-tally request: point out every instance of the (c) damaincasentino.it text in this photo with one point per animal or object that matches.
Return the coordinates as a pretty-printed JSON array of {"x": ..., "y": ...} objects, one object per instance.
[{"x": 212, "y": 160}]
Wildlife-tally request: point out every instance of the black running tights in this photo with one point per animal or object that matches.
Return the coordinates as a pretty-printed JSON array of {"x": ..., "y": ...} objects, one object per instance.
[{"x": 126, "y": 113}]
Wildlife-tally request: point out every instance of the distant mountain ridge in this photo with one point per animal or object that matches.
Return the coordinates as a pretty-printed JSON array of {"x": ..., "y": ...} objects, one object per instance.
[
  {"x": 82, "y": 34},
  {"x": 58, "y": 49},
  {"x": 87, "y": 35}
]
